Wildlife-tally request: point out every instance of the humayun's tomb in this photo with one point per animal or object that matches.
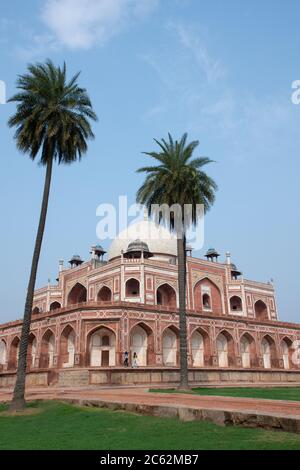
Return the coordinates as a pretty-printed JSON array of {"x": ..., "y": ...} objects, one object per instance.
[{"x": 128, "y": 301}]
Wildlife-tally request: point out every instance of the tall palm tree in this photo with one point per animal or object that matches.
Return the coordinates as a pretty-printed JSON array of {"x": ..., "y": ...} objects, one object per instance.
[
  {"x": 178, "y": 179},
  {"x": 52, "y": 122}
]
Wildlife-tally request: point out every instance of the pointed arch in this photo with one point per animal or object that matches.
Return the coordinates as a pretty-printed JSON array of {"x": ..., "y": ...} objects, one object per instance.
[
  {"x": 47, "y": 349},
  {"x": 142, "y": 343},
  {"x": 200, "y": 347},
  {"x": 225, "y": 349},
  {"x": 3, "y": 352},
  {"x": 269, "y": 352},
  {"x": 77, "y": 295},
  {"x": 104, "y": 294},
  {"x": 101, "y": 344},
  {"x": 132, "y": 288},
  {"x": 36, "y": 311},
  {"x": 14, "y": 353},
  {"x": 170, "y": 346},
  {"x": 32, "y": 351},
  {"x": 207, "y": 296},
  {"x": 248, "y": 350},
  {"x": 287, "y": 352},
  {"x": 166, "y": 296},
  {"x": 261, "y": 310},
  {"x": 55, "y": 306},
  {"x": 236, "y": 304},
  {"x": 67, "y": 347}
]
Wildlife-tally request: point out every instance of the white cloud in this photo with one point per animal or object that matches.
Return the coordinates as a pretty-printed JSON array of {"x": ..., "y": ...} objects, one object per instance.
[
  {"x": 82, "y": 24},
  {"x": 190, "y": 40}
]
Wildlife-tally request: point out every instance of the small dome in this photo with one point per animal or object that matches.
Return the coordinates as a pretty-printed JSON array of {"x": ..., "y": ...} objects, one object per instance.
[
  {"x": 76, "y": 259},
  {"x": 234, "y": 270},
  {"x": 212, "y": 252},
  {"x": 137, "y": 245}
]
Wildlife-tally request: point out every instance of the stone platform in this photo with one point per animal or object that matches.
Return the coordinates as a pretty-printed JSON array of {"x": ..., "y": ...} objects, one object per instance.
[
  {"x": 226, "y": 411},
  {"x": 150, "y": 376}
]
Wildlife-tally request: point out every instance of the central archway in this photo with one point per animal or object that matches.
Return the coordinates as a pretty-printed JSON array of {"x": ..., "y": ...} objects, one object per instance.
[{"x": 102, "y": 348}]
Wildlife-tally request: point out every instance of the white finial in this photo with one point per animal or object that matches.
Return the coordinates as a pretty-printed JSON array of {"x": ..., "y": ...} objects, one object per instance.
[
  {"x": 145, "y": 213},
  {"x": 228, "y": 257},
  {"x": 61, "y": 265}
]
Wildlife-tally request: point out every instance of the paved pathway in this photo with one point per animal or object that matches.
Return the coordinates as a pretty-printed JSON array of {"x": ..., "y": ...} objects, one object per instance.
[{"x": 142, "y": 396}]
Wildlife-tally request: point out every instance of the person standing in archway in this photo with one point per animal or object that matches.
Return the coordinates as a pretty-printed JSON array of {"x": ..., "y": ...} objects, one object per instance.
[
  {"x": 126, "y": 359},
  {"x": 135, "y": 360}
]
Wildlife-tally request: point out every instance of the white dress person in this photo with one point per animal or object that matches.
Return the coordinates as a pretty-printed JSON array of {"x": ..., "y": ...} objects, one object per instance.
[{"x": 135, "y": 361}]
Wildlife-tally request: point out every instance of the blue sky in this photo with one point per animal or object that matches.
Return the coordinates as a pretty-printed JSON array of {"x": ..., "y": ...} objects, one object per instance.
[{"x": 221, "y": 71}]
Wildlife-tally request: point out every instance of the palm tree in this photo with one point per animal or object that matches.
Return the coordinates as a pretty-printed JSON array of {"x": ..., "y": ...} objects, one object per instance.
[
  {"x": 52, "y": 123},
  {"x": 178, "y": 179}
]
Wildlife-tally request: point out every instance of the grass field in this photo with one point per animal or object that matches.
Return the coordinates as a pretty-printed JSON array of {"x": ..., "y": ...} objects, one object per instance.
[
  {"x": 54, "y": 425},
  {"x": 274, "y": 393}
]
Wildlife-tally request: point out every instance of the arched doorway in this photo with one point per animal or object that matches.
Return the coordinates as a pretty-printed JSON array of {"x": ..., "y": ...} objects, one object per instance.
[
  {"x": 55, "y": 306},
  {"x": 225, "y": 349},
  {"x": 102, "y": 348},
  {"x": 132, "y": 289},
  {"x": 248, "y": 353},
  {"x": 286, "y": 347},
  {"x": 36, "y": 311},
  {"x": 104, "y": 294},
  {"x": 139, "y": 345},
  {"x": 170, "y": 347},
  {"x": 166, "y": 296},
  {"x": 3, "y": 352},
  {"x": 67, "y": 347},
  {"x": 236, "y": 304},
  {"x": 32, "y": 351},
  {"x": 261, "y": 310},
  {"x": 197, "y": 343},
  {"x": 77, "y": 295},
  {"x": 14, "y": 353},
  {"x": 48, "y": 350},
  {"x": 268, "y": 352},
  {"x": 222, "y": 350}
]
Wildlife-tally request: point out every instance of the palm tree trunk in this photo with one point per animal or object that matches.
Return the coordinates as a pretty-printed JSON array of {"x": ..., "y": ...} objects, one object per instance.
[
  {"x": 18, "y": 401},
  {"x": 181, "y": 252}
]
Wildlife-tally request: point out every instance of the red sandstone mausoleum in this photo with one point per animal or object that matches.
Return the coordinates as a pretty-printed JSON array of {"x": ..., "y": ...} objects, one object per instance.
[{"x": 100, "y": 308}]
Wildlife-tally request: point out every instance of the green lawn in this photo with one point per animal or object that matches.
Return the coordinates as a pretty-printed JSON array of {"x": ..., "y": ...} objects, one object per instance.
[
  {"x": 286, "y": 393},
  {"x": 63, "y": 426}
]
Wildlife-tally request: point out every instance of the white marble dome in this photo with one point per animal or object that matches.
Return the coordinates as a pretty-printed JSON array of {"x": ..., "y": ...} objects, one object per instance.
[{"x": 158, "y": 239}]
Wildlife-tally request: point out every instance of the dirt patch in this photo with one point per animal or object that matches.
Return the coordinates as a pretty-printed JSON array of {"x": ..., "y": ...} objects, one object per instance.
[{"x": 26, "y": 412}]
